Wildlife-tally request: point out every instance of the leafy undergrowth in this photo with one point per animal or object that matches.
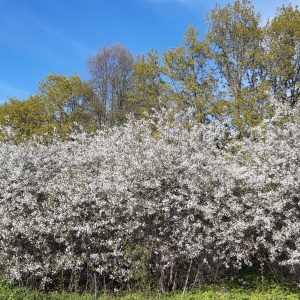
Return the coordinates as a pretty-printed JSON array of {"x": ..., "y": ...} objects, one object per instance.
[{"x": 220, "y": 292}]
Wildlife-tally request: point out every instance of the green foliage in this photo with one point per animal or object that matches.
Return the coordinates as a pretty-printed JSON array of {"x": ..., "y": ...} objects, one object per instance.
[
  {"x": 141, "y": 253},
  {"x": 236, "y": 42},
  {"x": 224, "y": 292},
  {"x": 190, "y": 75},
  {"x": 282, "y": 35},
  {"x": 147, "y": 85},
  {"x": 66, "y": 100},
  {"x": 60, "y": 102},
  {"x": 27, "y": 117}
]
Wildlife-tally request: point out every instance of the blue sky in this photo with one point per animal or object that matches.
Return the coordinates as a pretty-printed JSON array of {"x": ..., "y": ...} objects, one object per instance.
[{"x": 39, "y": 37}]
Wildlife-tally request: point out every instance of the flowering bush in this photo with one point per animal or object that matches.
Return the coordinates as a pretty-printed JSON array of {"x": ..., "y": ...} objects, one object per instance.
[{"x": 164, "y": 198}]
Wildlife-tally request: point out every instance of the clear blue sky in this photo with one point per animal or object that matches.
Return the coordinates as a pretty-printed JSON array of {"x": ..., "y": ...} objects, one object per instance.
[{"x": 39, "y": 37}]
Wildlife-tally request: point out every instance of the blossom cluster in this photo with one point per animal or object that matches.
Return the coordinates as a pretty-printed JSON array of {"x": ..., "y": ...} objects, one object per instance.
[{"x": 164, "y": 198}]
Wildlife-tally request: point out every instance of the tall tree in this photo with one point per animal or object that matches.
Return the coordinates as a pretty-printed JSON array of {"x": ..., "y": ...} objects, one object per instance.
[
  {"x": 80, "y": 102},
  {"x": 283, "y": 54},
  {"x": 65, "y": 100},
  {"x": 27, "y": 117},
  {"x": 236, "y": 41},
  {"x": 147, "y": 86},
  {"x": 110, "y": 73},
  {"x": 190, "y": 75}
]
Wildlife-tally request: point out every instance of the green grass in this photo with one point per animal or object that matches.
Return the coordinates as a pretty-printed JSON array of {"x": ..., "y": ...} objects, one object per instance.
[{"x": 207, "y": 292}]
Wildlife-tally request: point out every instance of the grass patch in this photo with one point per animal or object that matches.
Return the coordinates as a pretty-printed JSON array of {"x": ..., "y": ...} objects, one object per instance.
[{"x": 220, "y": 292}]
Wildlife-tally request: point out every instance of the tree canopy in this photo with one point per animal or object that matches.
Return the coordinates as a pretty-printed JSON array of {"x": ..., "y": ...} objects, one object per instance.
[
  {"x": 232, "y": 73},
  {"x": 110, "y": 73}
]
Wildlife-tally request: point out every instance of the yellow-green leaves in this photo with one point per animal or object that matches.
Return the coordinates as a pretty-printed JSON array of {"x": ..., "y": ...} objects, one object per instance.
[
  {"x": 283, "y": 53},
  {"x": 190, "y": 75},
  {"x": 66, "y": 100},
  {"x": 236, "y": 41},
  {"x": 60, "y": 103},
  {"x": 147, "y": 85},
  {"x": 26, "y": 117}
]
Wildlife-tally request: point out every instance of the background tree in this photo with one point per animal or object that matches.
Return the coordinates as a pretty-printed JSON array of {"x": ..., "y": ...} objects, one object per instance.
[
  {"x": 26, "y": 117},
  {"x": 148, "y": 89},
  {"x": 283, "y": 54},
  {"x": 80, "y": 102},
  {"x": 110, "y": 73},
  {"x": 66, "y": 100},
  {"x": 190, "y": 75},
  {"x": 236, "y": 41}
]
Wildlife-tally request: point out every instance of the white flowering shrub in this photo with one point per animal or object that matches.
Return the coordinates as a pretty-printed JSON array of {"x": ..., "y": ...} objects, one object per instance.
[{"x": 161, "y": 199}]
